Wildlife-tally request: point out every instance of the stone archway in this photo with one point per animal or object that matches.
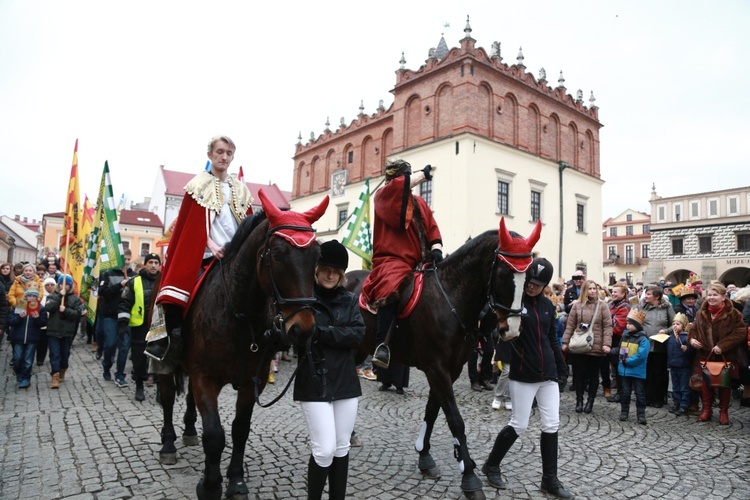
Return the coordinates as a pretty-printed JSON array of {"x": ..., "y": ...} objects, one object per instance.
[
  {"x": 678, "y": 276},
  {"x": 739, "y": 276}
]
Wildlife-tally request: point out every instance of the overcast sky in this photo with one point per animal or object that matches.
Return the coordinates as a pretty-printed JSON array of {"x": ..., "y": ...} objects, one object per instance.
[{"x": 146, "y": 83}]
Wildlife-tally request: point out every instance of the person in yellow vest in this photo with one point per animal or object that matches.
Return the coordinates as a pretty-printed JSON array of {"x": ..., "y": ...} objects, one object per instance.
[{"x": 132, "y": 318}]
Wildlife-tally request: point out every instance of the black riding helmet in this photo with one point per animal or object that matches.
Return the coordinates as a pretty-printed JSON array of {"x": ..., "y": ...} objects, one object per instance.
[
  {"x": 541, "y": 271},
  {"x": 333, "y": 253}
]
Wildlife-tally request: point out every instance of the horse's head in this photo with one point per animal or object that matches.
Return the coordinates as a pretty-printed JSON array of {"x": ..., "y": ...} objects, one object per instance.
[
  {"x": 505, "y": 291},
  {"x": 286, "y": 266}
]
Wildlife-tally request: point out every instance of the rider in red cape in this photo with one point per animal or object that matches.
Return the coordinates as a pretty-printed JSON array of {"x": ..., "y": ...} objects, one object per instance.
[
  {"x": 214, "y": 205},
  {"x": 404, "y": 235}
]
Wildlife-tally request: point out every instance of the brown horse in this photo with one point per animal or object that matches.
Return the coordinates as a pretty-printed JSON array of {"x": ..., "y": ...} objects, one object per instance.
[
  {"x": 441, "y": 332},
  {"x": 254, "y": 300}
]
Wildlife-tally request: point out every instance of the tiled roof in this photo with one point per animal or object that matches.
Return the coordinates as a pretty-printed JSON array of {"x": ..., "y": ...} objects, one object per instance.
[
  {"x": 139, "y": 218},
  {"x": 175, "y": 182}
]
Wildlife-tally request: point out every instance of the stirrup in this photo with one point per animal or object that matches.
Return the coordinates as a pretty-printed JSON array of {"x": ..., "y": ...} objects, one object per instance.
[
  {"x": 385, "y": 360},
  {"x": 156, "y": 347}
]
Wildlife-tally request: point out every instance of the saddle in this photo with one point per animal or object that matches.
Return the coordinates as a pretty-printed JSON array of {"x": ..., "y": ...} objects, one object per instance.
[{"x": 408, "y": 294}]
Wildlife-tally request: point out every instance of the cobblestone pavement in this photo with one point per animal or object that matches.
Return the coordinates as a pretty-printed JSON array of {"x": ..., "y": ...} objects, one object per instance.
[{"x": 91, "y": 440}]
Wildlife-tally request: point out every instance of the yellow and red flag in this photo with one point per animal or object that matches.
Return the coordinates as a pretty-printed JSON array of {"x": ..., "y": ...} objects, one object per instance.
[{"x": 71, "y": 245}]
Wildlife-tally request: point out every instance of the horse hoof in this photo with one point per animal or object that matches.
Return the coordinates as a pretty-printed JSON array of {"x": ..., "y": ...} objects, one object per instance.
[
  {"x": 471, "y": 485},
  {"x": 167, "y": 458},
  {"x": 205, "y": 494},
  {"x": 237, "y": 489},
  {"x": 433, "y": 473},
  {"x": 191, "y": 440}
]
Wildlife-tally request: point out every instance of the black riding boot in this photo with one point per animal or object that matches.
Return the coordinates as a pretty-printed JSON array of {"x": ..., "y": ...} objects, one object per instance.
[
  {"x": 316, "y": 479},
  {"x": 337, "y": 475},
  {"x": 550, "y": 483},
  {"x": 384, "y": 320},
  {"x": 579, "y": 401},
  {"x": 491, "y": 468},
  {"x": 624, "y": 412},
  {"x": 158, "y": 347},
  {"x": 640, "y": 412}
]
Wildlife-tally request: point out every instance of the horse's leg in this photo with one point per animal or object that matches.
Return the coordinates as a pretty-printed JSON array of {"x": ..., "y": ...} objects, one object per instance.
[
  {"x": 205, "y": 394},
  {"x": 441, "y": 388},
  {"x": 165, "y": 393},
  {"x": 236, "y": 487},
  {"x": 427, "y": 465},
  {"x": 190, "y": 435}
]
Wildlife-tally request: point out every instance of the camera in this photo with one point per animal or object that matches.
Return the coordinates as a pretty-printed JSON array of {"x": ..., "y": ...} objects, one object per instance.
[{"x": 583, "y": 327}]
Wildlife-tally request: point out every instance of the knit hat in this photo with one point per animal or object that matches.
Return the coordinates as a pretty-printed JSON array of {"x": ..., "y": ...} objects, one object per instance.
[
  {"x": 637, "y": 317},
  {"x": 682, "y": 319},
  {"x": 30, "y": 292},
  {"x": 333, "y": 253},
  {"x": 49, "y": 281},
  {"x": 152, "y": 256},
  {"x": 67, "y": 278}
]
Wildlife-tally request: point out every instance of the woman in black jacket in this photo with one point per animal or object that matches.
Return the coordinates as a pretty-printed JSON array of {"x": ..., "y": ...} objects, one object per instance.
[
  {"x": 536, "y": 368},
  {"x": 327, "y": 386}
]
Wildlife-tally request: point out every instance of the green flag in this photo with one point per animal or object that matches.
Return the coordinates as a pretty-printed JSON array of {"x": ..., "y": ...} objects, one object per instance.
[
  {"x": 104, "y": 249},
  {"x": 358, "y": 234}
]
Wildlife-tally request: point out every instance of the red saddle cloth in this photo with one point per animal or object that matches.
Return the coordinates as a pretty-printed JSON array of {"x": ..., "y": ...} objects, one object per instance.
[
  {"x": 199, "y": 283},
  {"x": 408, "y": 308}
]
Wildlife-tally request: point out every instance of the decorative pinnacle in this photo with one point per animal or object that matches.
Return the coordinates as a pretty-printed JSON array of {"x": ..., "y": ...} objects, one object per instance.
[
  {"x": 579, "y": 95},
  {"x": 542, "y": 75},
  {"x": 402, "y": 62},
  {"x": 328, "y": 123},
  {"x": 312, "y": 136},
  {"x": 361, "y": 107},
  {"x": 299, "y": 138},
  {"x": 592, "y": 99},
  {"x": 520, "y": 56},
  {"x": 561, "y": 81},
  {"x": 467, "y": 29}
]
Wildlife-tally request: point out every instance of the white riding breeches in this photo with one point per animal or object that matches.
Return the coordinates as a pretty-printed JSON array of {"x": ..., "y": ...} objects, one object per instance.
[
  {"x": 547, "y": 396},
  {"x": 330, "y": 427}
]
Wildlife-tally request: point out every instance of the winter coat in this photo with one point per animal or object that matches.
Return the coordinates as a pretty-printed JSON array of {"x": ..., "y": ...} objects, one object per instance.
[
  {"x": 6, "y": 282},
  {"x": 601, "y": 326},
  {"x": 676, "y": 357},
  {"x": 727, "y": 330},
  {"x": 619, "y": 312},
  {"x": 63, "y": 324},
  {"x": 26, "y": 330},
  {"x": 18, "y": 288},
  {"x": 689, "y": 312},
  {"x": 571, "y": 295},
  {"x": 634, "y": 349},
  {"x": 3, "y": 309},
  {"x": 535, "y": 353},
  {"x": 110, "y": 291},
  {"x": 746, "y": 313},
  {"x": 128, "y": 300},
  {"x": 657, "y": 318},
  {"x": 327, "y": 370}
]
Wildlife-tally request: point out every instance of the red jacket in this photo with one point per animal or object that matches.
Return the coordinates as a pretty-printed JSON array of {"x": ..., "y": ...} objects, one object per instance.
[
  {"x": 396, "y": 240},
  {"x": 619, "y": 311}
]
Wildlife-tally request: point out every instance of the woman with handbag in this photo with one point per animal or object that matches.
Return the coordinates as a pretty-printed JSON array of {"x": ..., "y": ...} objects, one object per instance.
[
  {"x": 716, "y": 334},
  {"x": 659, "y": 316},
  {"x": 588, "y": 336}
]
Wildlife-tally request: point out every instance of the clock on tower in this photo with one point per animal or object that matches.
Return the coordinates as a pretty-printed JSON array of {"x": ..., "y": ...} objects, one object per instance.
[{"x": 338, "y": 181}]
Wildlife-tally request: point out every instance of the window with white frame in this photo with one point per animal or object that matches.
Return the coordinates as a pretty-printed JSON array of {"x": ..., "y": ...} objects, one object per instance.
[
  {"x": 677, "y": 212},
  {"x": 425, "y": 191},
  {"x": 581, "y": 201},
  {"x": 646, "y": 228},
  {"x": 504, "y": 191},
  {"x": 629, "y": 257},
  {"x": 733, "y": 205},
  {"x": 342, "y": 214},
  {"x": 695, "y": 209},
  {"x": 145, "y": 247},
  {"x": 629, "y": 230},
  {"x": 644, "y": 251},
  {"x": 613, "y": 231},
  {"x": 611, "y": 252},
  {"x": 536, "y": 199},
  {"x": 712, "y": 207},
  {"x": 661, "y": 213},
  {"x": 629, "y": 217}
]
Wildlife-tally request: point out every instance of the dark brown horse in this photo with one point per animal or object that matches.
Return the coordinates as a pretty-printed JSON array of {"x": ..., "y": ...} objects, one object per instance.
[
  {"x": 254, "y": 300},
  {"x": 439, "y": 335}
]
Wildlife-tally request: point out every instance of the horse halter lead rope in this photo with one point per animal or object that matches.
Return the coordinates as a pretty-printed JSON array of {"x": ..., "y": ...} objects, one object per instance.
[{"x": 499, "y": 308}]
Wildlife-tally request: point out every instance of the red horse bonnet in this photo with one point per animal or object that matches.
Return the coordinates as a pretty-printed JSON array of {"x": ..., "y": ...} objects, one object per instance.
[
  {"x": 277, "y": 218},
  {"x": 516, "y": 252}
]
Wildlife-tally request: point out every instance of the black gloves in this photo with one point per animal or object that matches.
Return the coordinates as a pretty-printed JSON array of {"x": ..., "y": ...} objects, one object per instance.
[
  {"x": 436, "y": 255},
  {"x": 427, "y": 172}
]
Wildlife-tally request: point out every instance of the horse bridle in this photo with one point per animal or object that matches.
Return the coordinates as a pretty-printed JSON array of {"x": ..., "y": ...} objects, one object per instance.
[
  {"x": 499, "y": 308},
  {"x": 277, "y": 325}
]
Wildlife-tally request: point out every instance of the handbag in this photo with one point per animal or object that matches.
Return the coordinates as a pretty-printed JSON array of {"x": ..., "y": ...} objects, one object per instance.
[
  {"x": 719, "y": 373},
  {"x": 696, "y": 379},
  {"x": 582, "y": 340}
]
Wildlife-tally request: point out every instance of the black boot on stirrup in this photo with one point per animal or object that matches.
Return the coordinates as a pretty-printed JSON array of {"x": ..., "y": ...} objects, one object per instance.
[
  {"x": 158, "y": 349},
  {"x": 382, "y": 356}
]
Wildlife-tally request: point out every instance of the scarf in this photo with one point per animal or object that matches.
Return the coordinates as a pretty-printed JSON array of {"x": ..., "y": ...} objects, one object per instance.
[
  {"x": 715, "y": 310},
  {"x": 25, "y": 280}
]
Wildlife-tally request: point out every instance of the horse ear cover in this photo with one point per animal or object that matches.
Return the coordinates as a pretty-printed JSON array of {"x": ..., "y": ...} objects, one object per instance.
[
  {"x": 278, "y": 218},
  {"x": 518, "y": 245}
]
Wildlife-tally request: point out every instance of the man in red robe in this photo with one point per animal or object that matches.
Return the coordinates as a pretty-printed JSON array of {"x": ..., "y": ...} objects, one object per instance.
[
  {"x": 404, "y": 235},
  {"x": 214, "y": 205}
]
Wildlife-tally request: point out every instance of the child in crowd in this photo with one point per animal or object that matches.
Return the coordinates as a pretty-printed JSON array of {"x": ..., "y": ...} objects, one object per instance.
[
  {"x": 25, "y": 331},
  {"x": 64, "y": 314},
  {"x": 680, "y": 362},
  {"x": 632, "y": 368}
]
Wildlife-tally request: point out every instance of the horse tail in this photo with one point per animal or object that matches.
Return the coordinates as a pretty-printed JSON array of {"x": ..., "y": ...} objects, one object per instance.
[{"x": 179, "y": 380}]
